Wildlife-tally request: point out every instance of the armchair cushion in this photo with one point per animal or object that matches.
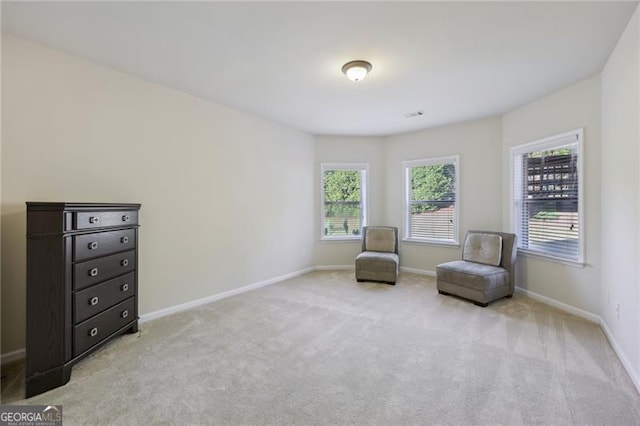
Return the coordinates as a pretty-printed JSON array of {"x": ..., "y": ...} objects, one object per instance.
[
  {"x": 380, "y": 239},
  {"x": 378, "y": 261},
  {"x": 474, "y": 275},
  {"x": 483, "y": 248}
]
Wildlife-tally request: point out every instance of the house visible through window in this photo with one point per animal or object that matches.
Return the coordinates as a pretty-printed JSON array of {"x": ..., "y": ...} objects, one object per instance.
[
  {"x": 547, "y": 193},
  {"x": 343, "y": 200},
  {"x": 431, "y": 200}
]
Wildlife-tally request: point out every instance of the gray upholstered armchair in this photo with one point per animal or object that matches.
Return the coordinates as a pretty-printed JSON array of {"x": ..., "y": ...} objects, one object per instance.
[
  {"x": 379, "y": 258},
  {"x": 486, "y": 271}
]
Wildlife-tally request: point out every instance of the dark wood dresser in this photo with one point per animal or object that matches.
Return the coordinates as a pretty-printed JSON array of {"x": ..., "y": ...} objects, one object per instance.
[{"x": 82, "y": 284}]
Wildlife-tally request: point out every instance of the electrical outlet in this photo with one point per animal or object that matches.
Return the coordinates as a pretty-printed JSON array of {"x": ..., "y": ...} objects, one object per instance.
[{"x": 618, "y": 310}]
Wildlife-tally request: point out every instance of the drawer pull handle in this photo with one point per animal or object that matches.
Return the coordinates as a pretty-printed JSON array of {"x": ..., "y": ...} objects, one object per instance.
[
  {"x": 93, "y": 245},
  {"x": 124, "y": 262},
  {"x": 93, "y": 272},
  {"x": 93, "y": 332},
  {"x": 126, "y": 218},
  {"x": 124, "y": 314},
  {"x": 124, "y": 240},
  {"x": 94, "y": 219},
  {"x": 125, "y": 287},
  {"x": 93, "y": 301}
]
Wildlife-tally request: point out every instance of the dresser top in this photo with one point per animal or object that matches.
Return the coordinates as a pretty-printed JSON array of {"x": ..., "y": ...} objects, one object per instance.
[{"x": 38, "y": 205}]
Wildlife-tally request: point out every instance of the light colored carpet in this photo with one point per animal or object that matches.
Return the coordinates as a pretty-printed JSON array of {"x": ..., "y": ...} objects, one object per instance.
[{"x": 323, "y": 349}]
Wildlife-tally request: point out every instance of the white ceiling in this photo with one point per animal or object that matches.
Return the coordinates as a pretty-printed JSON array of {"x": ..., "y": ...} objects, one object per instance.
[{"x": 455, "y": 61}]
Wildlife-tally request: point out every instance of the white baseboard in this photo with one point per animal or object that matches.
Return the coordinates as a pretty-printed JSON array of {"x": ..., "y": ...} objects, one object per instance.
[
  {"x": 334, "y": 268},
  {"x": 418, "y": 271},
  {"x": 352, "y": 267},
  {"x": 635, "y": 378},
  {"x": 12, "y": 356},
  {"x": 633, "y": 375},
  {"x": 562, "y": 306},
  {"x": 20, "y": 353},
  {"x": 215, "y": 297}
]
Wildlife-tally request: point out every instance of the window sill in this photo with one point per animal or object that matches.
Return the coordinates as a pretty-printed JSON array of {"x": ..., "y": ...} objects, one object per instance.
[
  {"x": 550, "y": 258},
  {"x": 453, "y": 244},
  {"x": 357, "y": 239}
]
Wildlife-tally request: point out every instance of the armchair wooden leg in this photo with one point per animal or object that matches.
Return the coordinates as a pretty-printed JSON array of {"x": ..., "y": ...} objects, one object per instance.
[{"x": 482, "y": 305}]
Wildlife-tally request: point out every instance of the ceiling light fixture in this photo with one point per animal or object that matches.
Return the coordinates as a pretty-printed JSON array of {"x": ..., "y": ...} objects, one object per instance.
[{"x": 356, "y": 70}]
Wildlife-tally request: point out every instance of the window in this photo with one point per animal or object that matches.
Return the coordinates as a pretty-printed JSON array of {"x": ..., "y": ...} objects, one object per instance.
[
  {"x": 547, "y": 196},
  {"x": 431, "y": 200},
  {"x": 344, "y": 199}
]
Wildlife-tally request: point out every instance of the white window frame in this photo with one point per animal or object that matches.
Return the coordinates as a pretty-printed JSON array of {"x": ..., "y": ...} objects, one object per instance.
[
  {"x": 563, "y": 140},
  {"x": 363, "y": 168},
  {"x": 406, "y": 167}
]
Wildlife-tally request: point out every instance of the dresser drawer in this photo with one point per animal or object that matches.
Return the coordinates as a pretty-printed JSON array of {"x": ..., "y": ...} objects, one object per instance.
[
  {"x": 94, "y": 330},
  {"x": 101, "y": 243},
  {"x": 97, "y": 298},
  {"x": 89, "y": 220},
  {"x": 98, "y": 270}
]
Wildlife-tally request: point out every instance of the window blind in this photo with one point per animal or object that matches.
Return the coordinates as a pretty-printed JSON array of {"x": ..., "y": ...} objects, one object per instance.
[
  {"x": 547, "y": 197},
  {"x": 431, "y": 199}
]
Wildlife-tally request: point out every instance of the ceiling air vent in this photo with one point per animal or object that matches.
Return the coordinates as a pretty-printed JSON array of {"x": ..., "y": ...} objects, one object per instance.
[{"x": 414, "y": 114}]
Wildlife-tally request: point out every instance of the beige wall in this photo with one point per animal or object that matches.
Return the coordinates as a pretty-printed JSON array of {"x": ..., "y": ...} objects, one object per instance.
[
  {"x": 571, "y": 108},
  {"x": 225, "y": 196},
  {"x": 478, "y": 143},
  {"x": 621, "y": 194},
  {"x": 345, "y": 149},
  {"x": 480, "y": 175}
]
